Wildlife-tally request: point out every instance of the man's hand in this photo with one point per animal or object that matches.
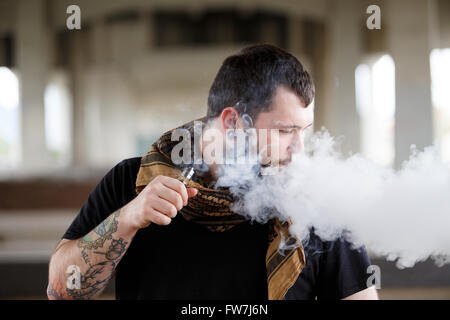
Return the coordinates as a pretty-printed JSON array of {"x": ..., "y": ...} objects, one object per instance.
[
  {"x": 98, "y": 253},
  {"x": 159, "y": 202},
  {"x": 366, "y": 294}
]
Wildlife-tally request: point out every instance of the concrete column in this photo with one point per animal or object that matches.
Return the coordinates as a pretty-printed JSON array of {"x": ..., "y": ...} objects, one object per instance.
[
  {"x": 342, "y": 58},
  {"x": 77, "y": 65},
  {"x": 100, "y": 44},
  {"x": 444, "y": 23},
  {"x": 95, "y": 79},
  {"x": 2, "y": 52},
  {"x": 33, "y": 63},
  {"x": 411, "y": 25}
]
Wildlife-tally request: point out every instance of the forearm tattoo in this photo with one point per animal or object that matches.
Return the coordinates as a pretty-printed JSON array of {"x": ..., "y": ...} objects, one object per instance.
[
  {"x": 98, "y": 274},
  {"x": 56, "y": 291}
]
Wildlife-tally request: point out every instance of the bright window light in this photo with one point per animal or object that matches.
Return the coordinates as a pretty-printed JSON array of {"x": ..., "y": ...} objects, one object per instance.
[
  {"x": 58, "y": 116},
  {"x": 375, "y": 101},
  {"x": 9, "y": 118},
  {"x": 440, "y": 80}
]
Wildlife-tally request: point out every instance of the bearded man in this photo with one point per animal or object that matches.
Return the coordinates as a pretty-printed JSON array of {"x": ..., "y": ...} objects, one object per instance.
[{"x": 165, "y": 237}]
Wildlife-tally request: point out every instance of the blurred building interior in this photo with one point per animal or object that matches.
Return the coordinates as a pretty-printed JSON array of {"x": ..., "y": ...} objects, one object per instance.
[{"x": 73, "y": 103}]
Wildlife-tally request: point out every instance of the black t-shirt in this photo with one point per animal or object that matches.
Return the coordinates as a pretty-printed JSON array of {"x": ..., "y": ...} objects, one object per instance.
[{"x": 184, "y": 260}]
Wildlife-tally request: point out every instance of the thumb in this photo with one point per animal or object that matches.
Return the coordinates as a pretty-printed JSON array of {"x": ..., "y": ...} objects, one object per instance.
[{"x": 192, "y": 192}]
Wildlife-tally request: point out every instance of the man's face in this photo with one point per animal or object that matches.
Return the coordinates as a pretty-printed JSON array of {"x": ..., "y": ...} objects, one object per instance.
[{"x": 290, "y": 117}]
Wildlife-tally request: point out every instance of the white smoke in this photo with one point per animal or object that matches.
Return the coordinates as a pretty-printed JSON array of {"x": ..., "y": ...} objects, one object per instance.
[{"x": 403, "y": 214}]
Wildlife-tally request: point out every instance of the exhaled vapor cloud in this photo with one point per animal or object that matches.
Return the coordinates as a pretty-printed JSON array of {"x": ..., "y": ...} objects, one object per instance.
[{"x": 403, "y": 214}]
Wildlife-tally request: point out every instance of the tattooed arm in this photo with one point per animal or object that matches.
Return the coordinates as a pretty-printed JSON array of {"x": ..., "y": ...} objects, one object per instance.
[{"x": 96, "y": 256}]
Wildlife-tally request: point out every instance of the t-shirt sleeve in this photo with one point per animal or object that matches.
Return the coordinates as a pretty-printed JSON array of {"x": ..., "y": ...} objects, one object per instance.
[
  {"x": 342, "y": 271},
  {"x": 113, "y": 191}
]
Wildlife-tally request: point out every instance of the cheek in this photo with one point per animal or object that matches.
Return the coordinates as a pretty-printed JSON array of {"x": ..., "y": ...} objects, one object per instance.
[
  {"x": 300, "y": 141},
  {"x": 266, "y": 145},
  {"x": 280, "y": 145},
  {"x": 284, "y": 143}
]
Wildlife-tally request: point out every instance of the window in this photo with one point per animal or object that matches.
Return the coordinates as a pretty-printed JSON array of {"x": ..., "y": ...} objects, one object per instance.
[
  {"x": 440, "y": 79},
  {"x": 9, "y": 118},
  {"x": 58, "y": 119},
  {"x": 375, "y": 100}
]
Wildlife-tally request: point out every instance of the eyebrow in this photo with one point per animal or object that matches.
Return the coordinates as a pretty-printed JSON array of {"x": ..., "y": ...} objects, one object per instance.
[{"x": 293, "y": 126}]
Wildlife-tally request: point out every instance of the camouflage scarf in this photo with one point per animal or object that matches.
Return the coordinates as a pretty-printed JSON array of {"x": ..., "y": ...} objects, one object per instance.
[{"x": 211, "y": 208}]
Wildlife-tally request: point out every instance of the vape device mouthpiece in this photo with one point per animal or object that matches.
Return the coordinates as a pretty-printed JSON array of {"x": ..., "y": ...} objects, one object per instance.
[{"x": 186, "y": 174}]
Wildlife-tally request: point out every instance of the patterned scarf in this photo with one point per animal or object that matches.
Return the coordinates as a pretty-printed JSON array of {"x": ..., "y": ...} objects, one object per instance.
[{"x": 211, "y": 208}]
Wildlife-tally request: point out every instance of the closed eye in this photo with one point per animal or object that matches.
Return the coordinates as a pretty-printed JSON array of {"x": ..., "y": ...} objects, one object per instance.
[
  {"x": 293, "y": 129},
  {"x": 287, "y": 131}
]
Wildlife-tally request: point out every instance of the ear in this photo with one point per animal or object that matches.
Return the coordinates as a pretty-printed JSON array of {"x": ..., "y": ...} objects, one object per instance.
[{"x": 229, "y": 118}]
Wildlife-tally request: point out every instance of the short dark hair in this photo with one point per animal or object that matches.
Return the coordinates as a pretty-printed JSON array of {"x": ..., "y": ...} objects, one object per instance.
[{"x": 248, "y": 80}]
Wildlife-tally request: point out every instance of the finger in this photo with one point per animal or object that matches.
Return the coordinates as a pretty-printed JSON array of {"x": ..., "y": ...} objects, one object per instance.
[
  {"x": 170, "y": 195},
  {"x": 176, "y": 185},
  {"x": 159, "y": 218},
  {"x": 192, "y": 192},
  {"x": 164, "y": 207}
]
